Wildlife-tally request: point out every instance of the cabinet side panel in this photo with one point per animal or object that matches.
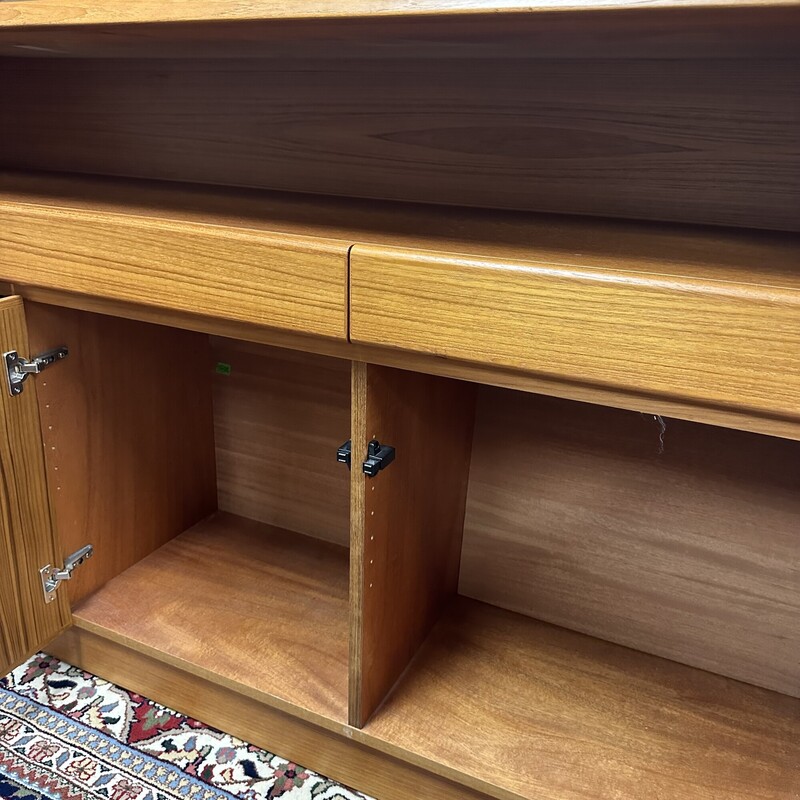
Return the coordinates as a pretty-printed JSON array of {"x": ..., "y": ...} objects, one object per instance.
[
  {"x": 129, "y": 436},
  {"x": 407, "y": 531},
  {"x": 682, "y": 541},
  {"x": 28, "y": 539}
]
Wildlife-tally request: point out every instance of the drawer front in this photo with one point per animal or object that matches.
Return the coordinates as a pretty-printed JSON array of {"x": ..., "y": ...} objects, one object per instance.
[
  {"x": 722, "y": 343},
  {"x": 286, "y": 282}
]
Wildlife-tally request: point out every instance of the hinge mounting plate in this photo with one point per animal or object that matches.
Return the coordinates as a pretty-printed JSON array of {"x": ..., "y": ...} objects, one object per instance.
[
  {"x": 52, "y": 577},
  {"x": 19, "y": 368}
]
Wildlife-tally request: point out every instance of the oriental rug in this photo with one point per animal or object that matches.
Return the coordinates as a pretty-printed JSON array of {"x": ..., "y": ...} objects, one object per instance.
[{"x": 68, "y": 735}]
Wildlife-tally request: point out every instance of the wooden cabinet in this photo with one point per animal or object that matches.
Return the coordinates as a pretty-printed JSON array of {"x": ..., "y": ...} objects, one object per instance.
[
  {"x": 231, "y": 549},
  {"x": 571, "y": 565}
]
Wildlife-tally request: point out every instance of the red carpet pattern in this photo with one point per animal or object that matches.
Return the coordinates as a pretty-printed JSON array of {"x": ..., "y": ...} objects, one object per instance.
[{"x": 68, "y": 735}]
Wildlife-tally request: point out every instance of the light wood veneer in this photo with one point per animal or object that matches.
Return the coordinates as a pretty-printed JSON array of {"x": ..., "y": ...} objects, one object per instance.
[
  {"x": 282, "y": 282},
  {"x": 722, "y": 343},
  {"x": 128, "y": 436},
  {"x": 538, "y": 711},
  {"x": 407, "y": 521},
  {"x": 250, "y": 606},
  {"x": 576, "y": 516},
  {"x": 279, "y": 417},
  {"x": 563, "y": 28},
  {"x": 755, "y": 264}
]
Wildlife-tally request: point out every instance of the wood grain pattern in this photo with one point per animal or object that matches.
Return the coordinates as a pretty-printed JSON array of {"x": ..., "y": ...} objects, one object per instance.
[
  {"x": 99, "y": 12},
  {"x": 731, "y": 344},
  {"x": 28, "y": 538},
  {"x": 333, "y": 754},
  {"x": 288, "y": 283},
  {"x": 406, "y": 522},
  {"x": 700, "y": 254},
  {"x": 659, "y": 29},
  {"x": 716, "y": 254},
  {"x": 128, "y": 433},
  {"x": 580, "y": 718},
  {"x": 230, "y": 587},
  {"x": 693, "y": 553},
  {"x": 279, "y": 417},
  {"x": 700, "y": 141},
  {"x": 433, "y": 365}
]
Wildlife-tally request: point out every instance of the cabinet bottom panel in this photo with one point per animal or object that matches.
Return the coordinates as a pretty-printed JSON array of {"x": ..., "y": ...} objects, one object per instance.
[
  {"x": 507, "y": 707},
  {"x": 258, "y": 608},
  {"x": 538, "y": 711}
]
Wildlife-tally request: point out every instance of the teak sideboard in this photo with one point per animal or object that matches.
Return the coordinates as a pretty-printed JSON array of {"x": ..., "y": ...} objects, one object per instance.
[{"x": 413, "y": 389}]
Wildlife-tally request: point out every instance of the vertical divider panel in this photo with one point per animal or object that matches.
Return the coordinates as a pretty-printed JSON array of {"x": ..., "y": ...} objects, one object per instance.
[{"x": 406, "y": 522}]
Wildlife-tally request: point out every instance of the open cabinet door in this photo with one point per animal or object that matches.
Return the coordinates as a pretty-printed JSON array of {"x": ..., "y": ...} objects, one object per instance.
[{"x": 28, "y": 540}]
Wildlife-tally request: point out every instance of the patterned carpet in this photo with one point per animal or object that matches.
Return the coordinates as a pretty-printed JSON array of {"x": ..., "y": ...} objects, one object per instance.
[{"x": 68, "y": 735}]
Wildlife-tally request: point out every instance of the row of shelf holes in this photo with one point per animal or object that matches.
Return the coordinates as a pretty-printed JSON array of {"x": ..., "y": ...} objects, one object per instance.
[
  {"x": 372, "y": 514},
  {"x": 50, "y": 428}
]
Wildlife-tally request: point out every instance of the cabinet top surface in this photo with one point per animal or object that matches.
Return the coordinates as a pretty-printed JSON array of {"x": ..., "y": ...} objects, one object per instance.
[
  {"x": 19, "y": 13},
  {"x": 400, "y": 28}
]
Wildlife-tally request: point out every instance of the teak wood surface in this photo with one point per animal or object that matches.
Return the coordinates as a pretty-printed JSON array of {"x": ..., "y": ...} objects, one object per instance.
[
  {"x": 128, "y": 436},
  {"x": 682, "y": 542},
  {"x": 228, "y": 588},
  {"x": 728, "y": 344},
  {"x": 737, "y": 418},
  {"x": 654, "y": 109},
  {"x": 653, "y": 256},
  {"x": 406, "y": 522},
  {"x": 519, "y": 708},
  {"x": 279, "y": 416},
  {"x": 28, "y": 537},
  {"x": 228, "y": 28},
  {"x": 696, "y": 140},
  {"x": 65, "y": 12},
  {"x": 283, "y": 282}
]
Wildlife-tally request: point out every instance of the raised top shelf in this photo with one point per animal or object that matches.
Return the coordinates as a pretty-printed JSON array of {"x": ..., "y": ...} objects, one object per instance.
[{"x": 547, "y": 28}]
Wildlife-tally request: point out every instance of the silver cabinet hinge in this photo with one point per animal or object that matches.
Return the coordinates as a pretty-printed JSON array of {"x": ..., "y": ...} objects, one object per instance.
[
  {"x": 52, "y": 577},
  {"x": 18, "y": 368}
]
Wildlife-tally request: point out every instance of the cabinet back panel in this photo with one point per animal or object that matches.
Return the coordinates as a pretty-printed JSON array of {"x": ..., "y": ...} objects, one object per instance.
[
  {"x": 575, "y": 516},
  {"x": 128, "y": 436},
  {"x": 703, "y": 140},
  {"x": 279, "y": 417}
]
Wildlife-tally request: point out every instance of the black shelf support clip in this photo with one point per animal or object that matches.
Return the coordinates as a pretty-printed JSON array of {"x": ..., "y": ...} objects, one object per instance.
[
  {"x": 379, "y": 456},
  {"x": 344, "y": 454}
]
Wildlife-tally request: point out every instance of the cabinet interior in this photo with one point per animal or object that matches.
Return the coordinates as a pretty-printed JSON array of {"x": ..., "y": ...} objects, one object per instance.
[
  {"x": 539, "y": 597},
  {"x": 203, "y": 470}
]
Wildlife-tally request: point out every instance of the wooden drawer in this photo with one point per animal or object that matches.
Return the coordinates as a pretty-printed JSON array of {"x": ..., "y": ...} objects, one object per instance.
[
  {"x": 722, "y": 342},
  {"x": 280, "y": 280}
]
